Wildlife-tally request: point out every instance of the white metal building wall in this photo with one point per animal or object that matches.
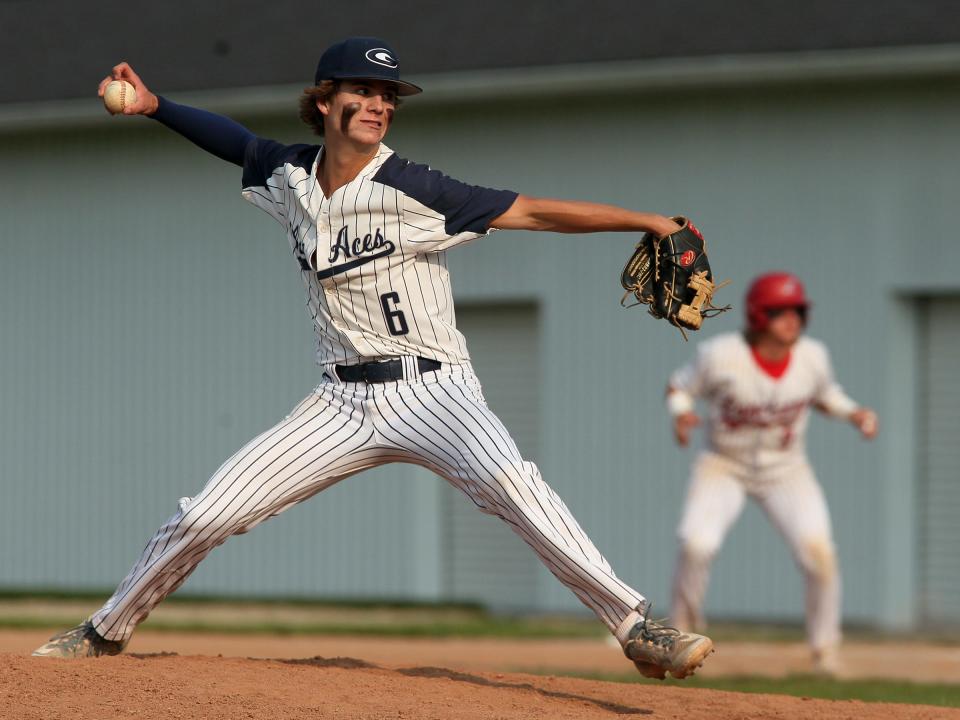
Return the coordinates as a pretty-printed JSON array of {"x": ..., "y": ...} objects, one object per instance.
[{"x": 151, "y": 322}]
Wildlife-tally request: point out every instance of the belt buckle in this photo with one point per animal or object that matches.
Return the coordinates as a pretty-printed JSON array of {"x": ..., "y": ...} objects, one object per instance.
[{"x": 364, "y": 374}]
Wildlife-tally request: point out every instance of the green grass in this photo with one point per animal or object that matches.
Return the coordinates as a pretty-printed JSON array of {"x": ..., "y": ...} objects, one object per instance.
[
  {"x": 45, "y": 610},
  {"x": 488, "y": 627},
  {"x": 890, "y": 691},
  {"x": 100, "y": 595}
]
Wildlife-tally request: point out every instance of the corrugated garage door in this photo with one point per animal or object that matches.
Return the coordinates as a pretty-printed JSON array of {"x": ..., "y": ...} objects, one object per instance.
[
  {"x": 484, "y": 561},
  {"x": 940, "y": 462}
]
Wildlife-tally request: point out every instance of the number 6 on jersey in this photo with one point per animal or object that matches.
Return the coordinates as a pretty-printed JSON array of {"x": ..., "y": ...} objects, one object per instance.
[{"x": 396, "y": 322}]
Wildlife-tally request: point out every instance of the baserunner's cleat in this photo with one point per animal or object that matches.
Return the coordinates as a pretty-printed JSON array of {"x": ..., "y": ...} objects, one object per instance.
[{"x": 826, "y": 661}]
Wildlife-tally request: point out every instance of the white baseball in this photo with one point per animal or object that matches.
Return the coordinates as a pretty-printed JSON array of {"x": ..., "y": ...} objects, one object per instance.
[{"x": 118, "y": 95}]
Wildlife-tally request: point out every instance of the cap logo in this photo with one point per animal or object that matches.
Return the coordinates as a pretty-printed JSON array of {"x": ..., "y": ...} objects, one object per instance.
[
  {"x": 381, "y": 56},
  {"x": 687, "y": 258}
]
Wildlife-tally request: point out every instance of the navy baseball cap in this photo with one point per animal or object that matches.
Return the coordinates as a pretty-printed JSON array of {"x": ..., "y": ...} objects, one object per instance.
[{"x": 364, "y": 58}]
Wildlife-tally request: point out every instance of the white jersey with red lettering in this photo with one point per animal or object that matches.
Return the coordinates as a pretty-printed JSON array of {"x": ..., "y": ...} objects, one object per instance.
[{"x": 754, "y": 418}]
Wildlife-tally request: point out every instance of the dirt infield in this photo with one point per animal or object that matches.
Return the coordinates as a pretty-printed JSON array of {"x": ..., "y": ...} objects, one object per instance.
[
  {"x": 239, "y": 676},
  {"x": 890, "y": 660},
  {"x": 336, "y": 689}
]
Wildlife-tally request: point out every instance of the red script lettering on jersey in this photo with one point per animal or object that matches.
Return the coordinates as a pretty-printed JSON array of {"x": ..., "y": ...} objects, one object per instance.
[{"x": 735, "y": 415}]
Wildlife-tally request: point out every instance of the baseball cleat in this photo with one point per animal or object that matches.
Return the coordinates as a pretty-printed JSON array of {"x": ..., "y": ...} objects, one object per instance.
[
  {"x": 79, "y": 641},
  {"x": 826, "y": 661},
  {"x": 658, "y": 649}
]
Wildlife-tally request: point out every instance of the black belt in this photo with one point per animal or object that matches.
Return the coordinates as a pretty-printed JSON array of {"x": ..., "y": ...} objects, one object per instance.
[{"x": 378, "y": 372}]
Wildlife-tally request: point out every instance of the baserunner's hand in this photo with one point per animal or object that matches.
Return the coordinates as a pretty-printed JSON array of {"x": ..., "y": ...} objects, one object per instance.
[{"x": 682, "y": 425}]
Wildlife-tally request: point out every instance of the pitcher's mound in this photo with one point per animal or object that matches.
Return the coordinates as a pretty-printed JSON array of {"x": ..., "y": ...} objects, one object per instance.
[{"x": 170, "y": 686}]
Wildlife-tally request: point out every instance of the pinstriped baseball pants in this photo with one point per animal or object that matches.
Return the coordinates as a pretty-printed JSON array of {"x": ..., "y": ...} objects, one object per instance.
[{"x": 439, "y": 421}]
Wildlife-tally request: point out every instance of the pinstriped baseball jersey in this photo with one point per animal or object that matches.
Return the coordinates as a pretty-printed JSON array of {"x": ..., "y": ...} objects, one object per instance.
[{"x": 372, "y": 255}]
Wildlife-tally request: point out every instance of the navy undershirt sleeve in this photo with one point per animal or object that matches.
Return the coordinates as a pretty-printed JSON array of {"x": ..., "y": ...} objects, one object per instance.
[{"x": 217, "y": 134}]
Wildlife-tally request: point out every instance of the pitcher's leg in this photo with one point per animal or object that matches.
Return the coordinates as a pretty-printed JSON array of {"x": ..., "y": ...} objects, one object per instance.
[
  {"x": 714, "y": 501},
  {"x": 450, "y": 430},
  {"x": 319, "y": 443},
  {"x": 797, "y": 507}
]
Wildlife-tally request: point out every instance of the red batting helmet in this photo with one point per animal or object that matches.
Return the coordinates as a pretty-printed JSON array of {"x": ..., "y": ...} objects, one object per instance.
[{"x": 773, "y": 290}]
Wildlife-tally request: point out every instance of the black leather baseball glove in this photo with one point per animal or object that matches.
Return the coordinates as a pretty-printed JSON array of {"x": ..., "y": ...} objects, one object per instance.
[{"x": 672, "y": 275}]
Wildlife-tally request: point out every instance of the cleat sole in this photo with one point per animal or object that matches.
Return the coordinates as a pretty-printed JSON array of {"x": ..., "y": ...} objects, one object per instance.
[
  {"x": 694, "y": 662},
  {"x": 649, "y": 670}
]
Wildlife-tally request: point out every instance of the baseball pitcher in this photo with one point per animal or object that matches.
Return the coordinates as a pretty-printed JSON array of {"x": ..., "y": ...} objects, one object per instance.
[
  {"x": 758, "y": 387},
  {"x": 369, "y": 232}
]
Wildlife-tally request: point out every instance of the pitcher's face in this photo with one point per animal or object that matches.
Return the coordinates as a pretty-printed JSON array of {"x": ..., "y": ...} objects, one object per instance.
[{"x": 361, "y": 110}]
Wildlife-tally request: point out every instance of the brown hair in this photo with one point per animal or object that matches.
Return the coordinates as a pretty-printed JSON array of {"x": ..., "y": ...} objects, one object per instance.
[{"x": 309, "y": 112}]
